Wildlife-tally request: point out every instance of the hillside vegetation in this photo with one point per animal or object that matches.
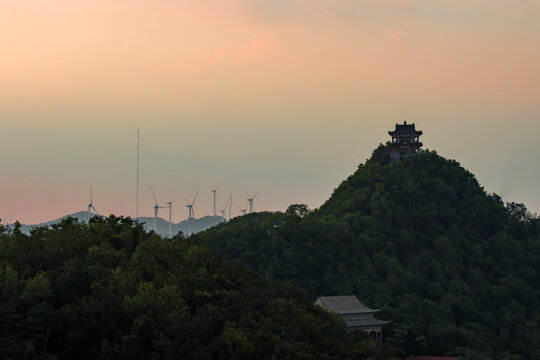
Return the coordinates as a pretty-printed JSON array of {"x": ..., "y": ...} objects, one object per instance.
[
  {"x": 456, "y": 270},
  {"x": 109, "y": 290}
]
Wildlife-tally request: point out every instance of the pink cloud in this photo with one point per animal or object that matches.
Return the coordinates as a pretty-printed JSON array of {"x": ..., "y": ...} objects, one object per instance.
[
  {"x": 219, "y": 55},
  {"x": 256, "y": 46},
  {"x": 397, "y": 33}
]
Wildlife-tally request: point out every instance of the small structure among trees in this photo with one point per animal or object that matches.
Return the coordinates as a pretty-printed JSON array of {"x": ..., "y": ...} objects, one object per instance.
[
  {"x": 405, "y": 141},
  {"x": 357, "y": 316}
]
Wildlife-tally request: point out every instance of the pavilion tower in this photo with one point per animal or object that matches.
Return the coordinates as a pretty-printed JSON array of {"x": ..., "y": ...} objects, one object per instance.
[{"x": 405, "y": 141}]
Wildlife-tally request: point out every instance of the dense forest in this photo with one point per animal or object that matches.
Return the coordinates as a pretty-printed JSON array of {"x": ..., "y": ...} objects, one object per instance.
[
  {"x": 109, "y": 290},
  {"x": 455, "y": 269}
]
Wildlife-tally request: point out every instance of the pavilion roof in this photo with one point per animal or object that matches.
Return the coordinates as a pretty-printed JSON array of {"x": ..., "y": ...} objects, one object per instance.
[
  {"x": 365, "y": 322},
  {"x": 348, "y": 304},
  {"x": 405, "y": 129}
]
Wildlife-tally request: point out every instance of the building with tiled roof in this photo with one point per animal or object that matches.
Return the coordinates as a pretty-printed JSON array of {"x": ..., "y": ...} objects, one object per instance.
[
  {"x": 405, "y": 141},
  {"x": 357, "y": 316}
]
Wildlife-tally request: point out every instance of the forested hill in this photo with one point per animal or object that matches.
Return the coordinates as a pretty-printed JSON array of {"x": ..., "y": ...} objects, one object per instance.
[
  {"x": 456, "y": 270},
  {"x": 109, "y": 290}
]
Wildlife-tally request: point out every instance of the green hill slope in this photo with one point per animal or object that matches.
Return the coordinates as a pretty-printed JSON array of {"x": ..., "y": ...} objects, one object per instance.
[
  {"x": 109, "y": 290},
  {"x": 456, "y": 270}
]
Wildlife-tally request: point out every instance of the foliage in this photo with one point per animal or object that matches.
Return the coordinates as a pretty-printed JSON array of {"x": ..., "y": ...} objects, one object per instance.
[
  {"x": 454, "y": 269},
  {"x": 109, "y": 290}
]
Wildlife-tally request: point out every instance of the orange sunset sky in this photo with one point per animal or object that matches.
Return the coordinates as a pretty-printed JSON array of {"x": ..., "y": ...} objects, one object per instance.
[{"x": 286, "y": 96}]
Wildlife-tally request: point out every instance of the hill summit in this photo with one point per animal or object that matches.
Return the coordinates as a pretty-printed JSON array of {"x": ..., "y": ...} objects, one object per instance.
[{"x": 456, "y": 270}]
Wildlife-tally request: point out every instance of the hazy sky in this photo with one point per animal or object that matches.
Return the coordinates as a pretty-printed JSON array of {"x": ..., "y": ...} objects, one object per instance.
[{"x": 286, "y": 96}]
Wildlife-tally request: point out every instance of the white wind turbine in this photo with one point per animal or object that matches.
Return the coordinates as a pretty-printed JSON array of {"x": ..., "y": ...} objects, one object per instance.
[
  {"x": 225, "y": 208},
  {"x": 242, "y": 211},
  {"x": 91, "y": 205},
  {"x": 191, "y": 213},
  {"x": 214, "y": 191},
  {"x": 230, "y": 206},
  {"x": 169, "y": 205},
  {"x": 156, "y": 208},
  {"x": 250, "y": 199}
]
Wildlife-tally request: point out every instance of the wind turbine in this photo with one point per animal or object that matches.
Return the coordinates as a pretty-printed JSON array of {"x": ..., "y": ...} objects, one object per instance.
[
  {"x": 91, "y": 205},
  {"x": 251, "y": 198},
  {"x": 169, "y": 204},
  {"x": 191, "y": 213},
  {"x": 189, "y": 205},
  {"x": 214, "y": 191},
  {"x": 156, "y": 209},
  {"x": 225, "y": 208},
  {"x": 230, "y": 206},
  {"x": 243, "y": 211}
]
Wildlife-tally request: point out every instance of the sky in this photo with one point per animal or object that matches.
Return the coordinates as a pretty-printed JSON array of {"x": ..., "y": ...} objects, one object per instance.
[{"x": 283, "y": 96}]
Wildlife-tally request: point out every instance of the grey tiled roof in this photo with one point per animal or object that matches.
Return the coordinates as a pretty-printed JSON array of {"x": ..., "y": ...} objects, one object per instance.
[
  {"x": 365, "y": 322},
  {"x": 348, "y": 304}
]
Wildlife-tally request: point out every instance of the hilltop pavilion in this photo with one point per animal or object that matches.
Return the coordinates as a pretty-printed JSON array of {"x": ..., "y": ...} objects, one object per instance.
[{"x": 405, "y": 141}]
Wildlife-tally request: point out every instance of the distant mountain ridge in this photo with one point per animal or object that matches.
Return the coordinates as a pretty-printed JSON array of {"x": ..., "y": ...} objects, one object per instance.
[{"x": 188, "y": 227}]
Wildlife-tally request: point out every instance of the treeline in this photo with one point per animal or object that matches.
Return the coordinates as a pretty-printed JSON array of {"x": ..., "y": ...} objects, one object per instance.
[
  {"x": 109, "y": 290},
  {"x": 455, "y": 269}
]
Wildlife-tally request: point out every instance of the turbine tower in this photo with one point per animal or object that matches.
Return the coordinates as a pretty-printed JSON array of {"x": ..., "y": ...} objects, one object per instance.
[
  {"x": 91, "y": 205},
  {"x": 191, "y": 213},
  {"x": 242, "y": 211},
  {"x": 230, "y": 206},
  {"x": 156, "y": 209},
  {"x": 214, "y": 191},
  {"x": 169, "y": 204},
  {"x": 250, "y": 199},
  {"x": 225, "y": 208}
]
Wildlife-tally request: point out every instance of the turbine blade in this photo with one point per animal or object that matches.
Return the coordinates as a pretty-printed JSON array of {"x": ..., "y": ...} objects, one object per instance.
[
  {"x": 247, "y": 192},
  {"x": 185, "y": 198},
  {"x": 195, "y": 198},
  {"x": 257, "y": 193},
  {"x": 95, "y": 210},
  {"x": 90, "y": 192},
  {"x": 154, "y": 195}
]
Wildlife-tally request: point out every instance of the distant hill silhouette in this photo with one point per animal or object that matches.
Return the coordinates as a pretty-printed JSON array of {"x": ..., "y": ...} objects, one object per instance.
[{"x": 187, "y": 227}]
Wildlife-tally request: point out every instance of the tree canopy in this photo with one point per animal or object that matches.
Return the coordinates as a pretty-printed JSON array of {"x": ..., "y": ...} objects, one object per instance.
[
  {"x": 109, "y": 290},
  {"x": 454, "y": 268}
]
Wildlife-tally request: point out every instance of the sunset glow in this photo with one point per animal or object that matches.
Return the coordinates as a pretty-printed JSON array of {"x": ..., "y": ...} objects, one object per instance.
[{"x": 287, "y": 96}]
